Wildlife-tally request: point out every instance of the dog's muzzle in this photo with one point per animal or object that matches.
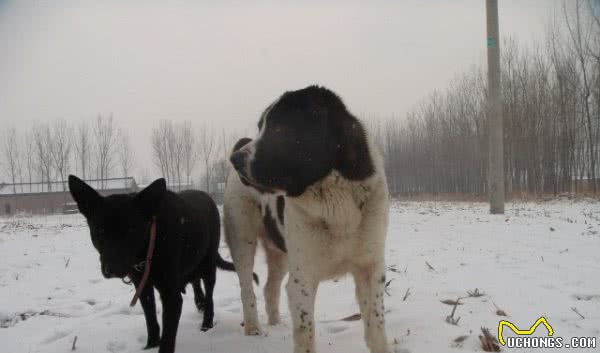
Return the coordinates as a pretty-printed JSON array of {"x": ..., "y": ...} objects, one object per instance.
[
  {"x": 239, "y": 161},
  {"x": 108, "y": 272}
]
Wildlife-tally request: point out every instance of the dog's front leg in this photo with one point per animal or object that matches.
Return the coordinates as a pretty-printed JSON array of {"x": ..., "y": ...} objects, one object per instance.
[
  {"x": 149, "y": 306},
  {"x": 171, "y": 300},
  {"x": 277, "y": 263},
  {"x": 243, "y": 258},
  {"x": 301, "y": 290},
  {"x": 370, "y": 285}
]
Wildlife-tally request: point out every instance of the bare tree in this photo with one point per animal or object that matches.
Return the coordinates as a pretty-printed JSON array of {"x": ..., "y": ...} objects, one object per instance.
[
  {"x": 580, "y": 34},
  {"x": 11, "y": 155},
  {"x": 83, "y": 148},
  {"x": 219, "y": 166},
  {"x": 160, "y": 141},
  {"x": 125, "y": 154},
  {"x": 190, "y": 150},
  {"x": 207, "y": 144},
  {"x": 29, "y": 148},
  {"x": 61, "y": 149},
  {"x": 176, "y": 152},
  {"x": 43, "y": 152},
  {"x": 105, "y": 138}
]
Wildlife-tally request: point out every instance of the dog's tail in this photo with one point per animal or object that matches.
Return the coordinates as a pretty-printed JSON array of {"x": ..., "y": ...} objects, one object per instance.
[{"x": 228, "y": 266}]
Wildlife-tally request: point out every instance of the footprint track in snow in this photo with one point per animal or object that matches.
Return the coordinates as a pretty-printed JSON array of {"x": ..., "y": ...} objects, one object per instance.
[
  {"x": 586, "y": 297},
  {"x": 116, "y": 346},
  {"x": 336, "y": 329},
  {"x": 227, "y": 301},
  {"x": 57, "y": 335}
]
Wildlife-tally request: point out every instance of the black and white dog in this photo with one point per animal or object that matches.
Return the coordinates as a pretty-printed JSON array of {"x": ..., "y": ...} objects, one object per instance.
[{"x": 313, "y": 188}]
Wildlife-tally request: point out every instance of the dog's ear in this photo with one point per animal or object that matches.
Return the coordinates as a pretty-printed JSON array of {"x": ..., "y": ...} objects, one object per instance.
[
  {"x": 354, "y": 159},
  {"x": 85, "y": 196},
  {"x": 149, "y": 198}
]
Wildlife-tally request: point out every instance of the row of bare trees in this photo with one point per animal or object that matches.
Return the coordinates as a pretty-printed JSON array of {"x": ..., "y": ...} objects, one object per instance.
[
  {"x": 35, "y": 160},
  {"x": 551, "y": 112},
  {"x": 50, "y": 151},
  {"x": 174, "y": 148},
  {"x": 178, "y": 147}
]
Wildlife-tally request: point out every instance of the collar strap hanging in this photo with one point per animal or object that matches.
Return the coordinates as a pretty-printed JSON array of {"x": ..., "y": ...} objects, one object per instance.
[{"x": 147, "y": 263}]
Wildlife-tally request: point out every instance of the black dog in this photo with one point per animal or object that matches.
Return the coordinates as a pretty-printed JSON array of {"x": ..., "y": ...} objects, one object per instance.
[{"x": 187, "y": 228}]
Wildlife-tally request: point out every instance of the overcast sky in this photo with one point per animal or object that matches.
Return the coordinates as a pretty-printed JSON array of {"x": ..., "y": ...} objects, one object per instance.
[{"x": 223, "y": 62}]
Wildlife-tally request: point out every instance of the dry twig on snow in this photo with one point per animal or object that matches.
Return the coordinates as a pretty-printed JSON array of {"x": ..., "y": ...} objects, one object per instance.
[{"x": 489, "y": 343}]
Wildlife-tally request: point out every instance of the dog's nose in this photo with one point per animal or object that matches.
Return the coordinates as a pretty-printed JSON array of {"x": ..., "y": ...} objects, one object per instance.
[
  {"x": 238, "y": 160},
  {"x": 106, "y": 272}
]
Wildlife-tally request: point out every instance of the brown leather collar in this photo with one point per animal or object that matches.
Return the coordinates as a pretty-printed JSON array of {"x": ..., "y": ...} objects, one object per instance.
[{"x": 147, "y": 263}]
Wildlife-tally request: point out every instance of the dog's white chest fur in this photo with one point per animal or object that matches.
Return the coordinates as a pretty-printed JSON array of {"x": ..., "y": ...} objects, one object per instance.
[
  {"x": 325, "y": 227},
  {"x": 334, "y": 204}
]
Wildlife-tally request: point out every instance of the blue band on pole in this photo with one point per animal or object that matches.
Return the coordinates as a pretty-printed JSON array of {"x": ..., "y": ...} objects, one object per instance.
[{"x": 491, "y": 43}]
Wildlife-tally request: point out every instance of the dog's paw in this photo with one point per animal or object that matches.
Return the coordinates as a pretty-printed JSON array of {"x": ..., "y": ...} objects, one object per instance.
[
  {"x": 116, "y": 346},
  {"x": 252, "y": 332},
  {"x": 152, "y": 343},
  {"x": 274, "y": 319},
  {"x": 206, "y": 327},
  {"x": 200, "y": 305}
]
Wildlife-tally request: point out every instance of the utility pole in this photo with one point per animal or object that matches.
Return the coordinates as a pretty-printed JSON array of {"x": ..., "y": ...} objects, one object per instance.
[{"x": 494, "y": 112}]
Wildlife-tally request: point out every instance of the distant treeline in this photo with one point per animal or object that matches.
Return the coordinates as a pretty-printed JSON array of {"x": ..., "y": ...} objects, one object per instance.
[
  {"x": 100, "y": 149},
  {"x": 551, "y": 113}
]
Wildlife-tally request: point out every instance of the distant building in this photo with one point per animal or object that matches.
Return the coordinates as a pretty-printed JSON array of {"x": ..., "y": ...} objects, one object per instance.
[
  {"x": 173, "y": 186},
  {"x": 54, "y": 197},
  {"x": 216, "y": 192}
]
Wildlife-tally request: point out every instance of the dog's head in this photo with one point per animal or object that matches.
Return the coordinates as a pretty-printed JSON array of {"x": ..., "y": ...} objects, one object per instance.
[
  {"x": 303, "y": 136},
  {"x": 119, "y": 224}
]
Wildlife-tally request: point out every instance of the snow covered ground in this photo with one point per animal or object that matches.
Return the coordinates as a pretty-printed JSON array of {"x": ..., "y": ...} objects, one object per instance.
[{"x": 538, "y": 259}]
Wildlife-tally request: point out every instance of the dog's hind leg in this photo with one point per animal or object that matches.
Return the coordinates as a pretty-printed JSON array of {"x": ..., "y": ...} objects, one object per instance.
[
  {"x": 209, "y": 279},
  {"x": 199, "y": 297},
  {"x": 277, "y": 264},
  {"x": 370, "y": 284}
]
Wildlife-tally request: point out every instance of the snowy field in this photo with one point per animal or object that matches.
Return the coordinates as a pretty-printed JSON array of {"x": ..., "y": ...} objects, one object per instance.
[{"x": 538, "y": 259}]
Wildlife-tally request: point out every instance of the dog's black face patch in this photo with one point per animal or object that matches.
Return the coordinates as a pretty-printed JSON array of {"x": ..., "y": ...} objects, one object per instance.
[
  {"x": 243, "y": 178},
  {"x": 119, "y": 224},
  {"x": 304, "y": 136},
  {"x": 120, "y": 234},
  {"x": 238, "y": 145},
  {"x": 241, "y": 143}
]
